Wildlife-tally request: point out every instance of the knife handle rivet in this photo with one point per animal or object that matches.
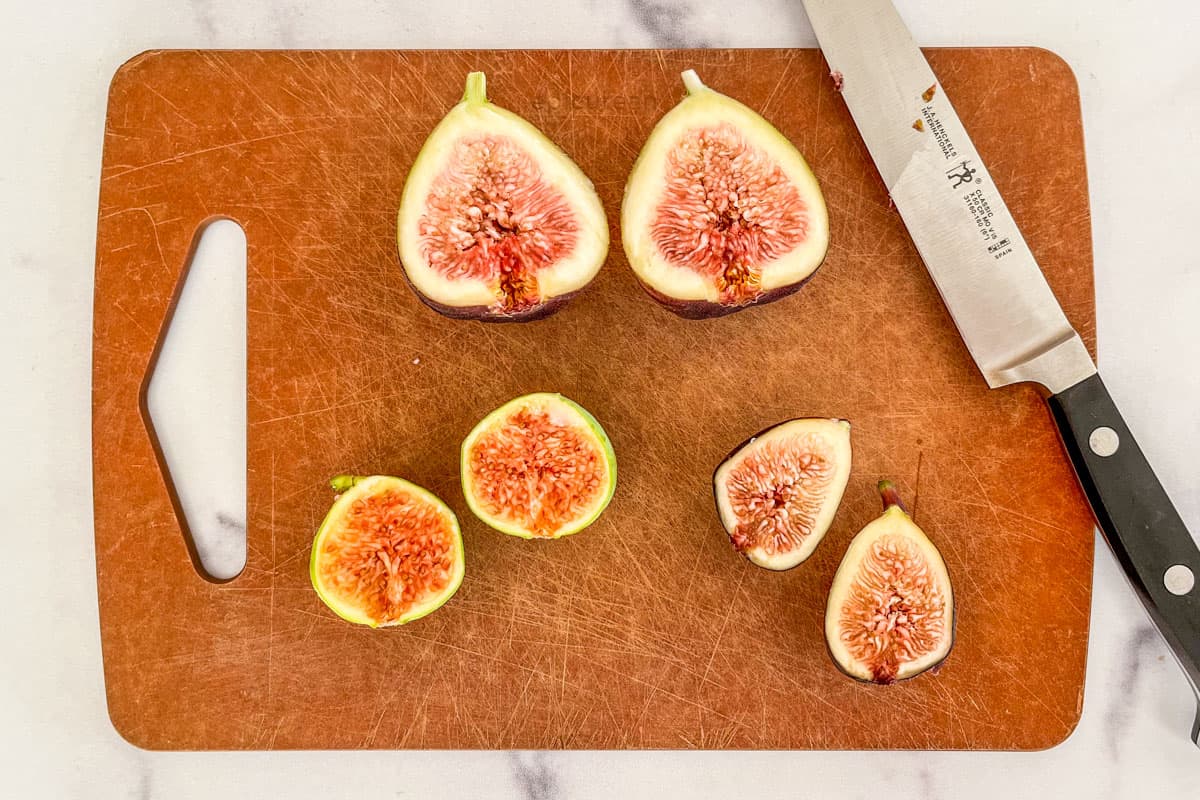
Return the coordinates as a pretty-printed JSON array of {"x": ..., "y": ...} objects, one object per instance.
[
  {"x": 1179, "y": 580},
  {"x": 1104, "y": 441}
]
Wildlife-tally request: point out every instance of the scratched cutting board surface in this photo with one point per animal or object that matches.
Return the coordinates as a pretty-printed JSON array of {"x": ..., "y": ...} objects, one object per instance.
[{"x": 647, "y": 630}]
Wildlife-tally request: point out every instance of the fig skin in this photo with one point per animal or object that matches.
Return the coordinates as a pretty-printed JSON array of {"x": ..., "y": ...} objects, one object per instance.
[
  {"x": 490, "y": 314},
  {"x": 817, "y": 535},
  {"x": 704, "y": 309},
  {"x": 893, "y": 505}
]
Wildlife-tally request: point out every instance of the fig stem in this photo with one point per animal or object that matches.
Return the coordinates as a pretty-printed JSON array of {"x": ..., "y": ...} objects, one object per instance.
[
  {"x": 342, "y": 483},
  {"x": 692, "y": 82},
  {"x": 891, "y": 497},
  {"x": 476, "y": 91}
]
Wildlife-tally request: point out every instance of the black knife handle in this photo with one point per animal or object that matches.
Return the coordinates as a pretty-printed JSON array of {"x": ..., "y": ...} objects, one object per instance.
[{"x": 1136, "y": 517}]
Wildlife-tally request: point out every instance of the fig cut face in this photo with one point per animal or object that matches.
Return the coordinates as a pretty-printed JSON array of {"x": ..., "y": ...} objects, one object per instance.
[
  {"x": 890, "y": 614},
  {"x": 778, "y": 492},
  {"x": 496, "y": 223},
  {"x": 721, "y": 212},
  {"x": 388, "y": 552},
  {"x": 538, "y": 467}
]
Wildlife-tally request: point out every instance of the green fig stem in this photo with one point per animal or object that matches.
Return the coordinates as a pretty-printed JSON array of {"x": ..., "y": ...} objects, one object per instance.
[
  {"x": 476, "y": 91},
  {"x": 342, "y": 483},
  {"x": 891, "y": 497},
  {"x": 692, "y": 82}
]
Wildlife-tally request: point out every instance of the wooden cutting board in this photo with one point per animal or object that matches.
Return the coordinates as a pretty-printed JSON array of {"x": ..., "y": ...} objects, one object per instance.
[{"x": 646, "y": 631}]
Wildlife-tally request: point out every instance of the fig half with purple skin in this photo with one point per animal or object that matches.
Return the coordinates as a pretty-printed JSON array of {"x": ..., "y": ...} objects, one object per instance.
[
  {"x": 777, "y": 493},
  {"x": 496, "y": 223},
  {"x": 890, "y": 614},
  {"x": 721, "y": 212}
]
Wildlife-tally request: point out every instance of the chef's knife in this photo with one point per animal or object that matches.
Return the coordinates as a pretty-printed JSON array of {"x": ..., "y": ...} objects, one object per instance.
[{"x": 1013, "y": 326}]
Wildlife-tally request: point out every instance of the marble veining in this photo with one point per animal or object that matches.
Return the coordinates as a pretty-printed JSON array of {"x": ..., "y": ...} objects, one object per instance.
[
  {"x": 220, "y": 543},
  {"x": 1142, "y": 645},
  {"x": 144, "y": 788},
  {"x": 666, "y": 22},
  {"x": 534, "y": 775},
  {"x": 231, "y": 523},
  {"x": 204, "y": 15}
]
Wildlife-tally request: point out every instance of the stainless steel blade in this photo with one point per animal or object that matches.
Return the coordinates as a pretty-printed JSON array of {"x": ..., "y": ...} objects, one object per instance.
[{"x": 986, "y": 274}]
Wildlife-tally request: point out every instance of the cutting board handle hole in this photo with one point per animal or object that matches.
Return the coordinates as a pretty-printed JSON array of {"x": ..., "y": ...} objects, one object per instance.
[{"x": 194, "y": 401}]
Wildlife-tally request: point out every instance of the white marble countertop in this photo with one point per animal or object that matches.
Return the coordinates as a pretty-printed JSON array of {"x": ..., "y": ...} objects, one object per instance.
[{"x": 1138, "y": 69}]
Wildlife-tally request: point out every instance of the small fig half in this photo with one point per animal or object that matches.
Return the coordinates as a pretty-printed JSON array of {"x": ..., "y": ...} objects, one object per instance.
[
  {"x": 496, "y": 223},
  {"x": 538, "y": 467},
  {"x": 777, "y": 493},
  {"x": 388, "y": 552},
  {"x": 890, "y": 614},
  {"x": 721, "y": 212}
]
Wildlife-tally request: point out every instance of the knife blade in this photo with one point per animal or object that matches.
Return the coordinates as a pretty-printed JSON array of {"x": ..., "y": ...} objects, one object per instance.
[{"x": 1012, "y": 324}]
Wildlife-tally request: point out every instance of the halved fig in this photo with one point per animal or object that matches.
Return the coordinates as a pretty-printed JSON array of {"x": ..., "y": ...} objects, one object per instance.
[
  {"x": 778, "y": 491},
  {"x": 890, "y": 614},
  {"x": 388, "y": 552},
  {"x": 540, "y": 466},
  {"x": 721, "y": 212},
  {"x": 496, "y": 223}
]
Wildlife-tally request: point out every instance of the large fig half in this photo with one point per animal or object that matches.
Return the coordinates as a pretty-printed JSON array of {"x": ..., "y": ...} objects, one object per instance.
[
  {"x": 721, "y": 212},
  {"x": 496, "y": 223},
  {"x": 890, "y": 614},
  {"x": 777, "y": 492},
  {"x": 388, "y": 552},
  {"x": 539, "y": 466}
]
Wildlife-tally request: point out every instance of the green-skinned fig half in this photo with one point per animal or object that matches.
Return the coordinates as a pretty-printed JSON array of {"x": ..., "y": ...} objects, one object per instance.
[
  {"x": 388, "y": 552},
  {"x": 778, "y": 491},
  {"x": 538, "y": 467},
  {"x": 721, "y": 212},
  {"x": 497, "y": 223},
  {"x": 890, "y": 614}
]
